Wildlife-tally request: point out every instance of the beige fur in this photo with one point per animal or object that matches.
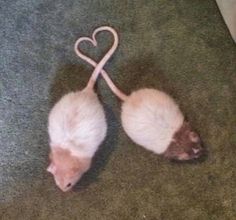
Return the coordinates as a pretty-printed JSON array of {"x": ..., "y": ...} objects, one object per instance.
[{"x": 67, "y": 168}]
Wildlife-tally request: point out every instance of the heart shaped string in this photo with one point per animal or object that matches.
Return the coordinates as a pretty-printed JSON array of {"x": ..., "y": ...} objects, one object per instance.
[{"x": 99, "y": 66}]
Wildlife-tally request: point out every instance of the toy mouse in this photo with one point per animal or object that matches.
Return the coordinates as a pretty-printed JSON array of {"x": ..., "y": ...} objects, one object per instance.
[
  {"x": 77, "y": 126},
  {"x": 152, "y": 119}
]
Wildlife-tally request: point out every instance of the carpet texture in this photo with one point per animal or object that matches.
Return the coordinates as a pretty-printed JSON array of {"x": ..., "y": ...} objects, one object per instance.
[{"x": 182, "y": 47}]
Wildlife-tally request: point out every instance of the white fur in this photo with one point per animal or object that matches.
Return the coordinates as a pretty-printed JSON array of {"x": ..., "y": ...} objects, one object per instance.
[
  {"x": 150, "y": 118},
  {"x": 77, "y": 122}
]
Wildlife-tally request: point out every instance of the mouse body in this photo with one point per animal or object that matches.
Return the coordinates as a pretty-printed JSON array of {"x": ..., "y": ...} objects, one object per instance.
[
  {"x": 77, "y": 126},
  {"x": 152, "y": 119}
]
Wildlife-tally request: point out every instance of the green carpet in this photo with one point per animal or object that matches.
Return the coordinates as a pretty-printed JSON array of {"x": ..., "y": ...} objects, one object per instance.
[{"x": 182, "y": 47}]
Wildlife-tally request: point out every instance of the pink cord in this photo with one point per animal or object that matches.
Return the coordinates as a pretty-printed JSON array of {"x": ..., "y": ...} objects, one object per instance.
[{"x": 100, "y": 65}]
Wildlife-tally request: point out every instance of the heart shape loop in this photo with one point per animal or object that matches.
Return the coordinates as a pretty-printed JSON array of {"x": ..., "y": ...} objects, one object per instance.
[{"x": 98, "y": 66}]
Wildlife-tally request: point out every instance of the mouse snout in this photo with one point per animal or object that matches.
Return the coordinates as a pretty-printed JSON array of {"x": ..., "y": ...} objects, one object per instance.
[
  {"x": 198, "y": 152},
  {"x": 65, "y": 189}
]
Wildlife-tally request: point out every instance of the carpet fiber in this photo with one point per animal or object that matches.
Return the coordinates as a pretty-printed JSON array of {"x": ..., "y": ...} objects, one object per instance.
[{"x": 182, "y": 47}]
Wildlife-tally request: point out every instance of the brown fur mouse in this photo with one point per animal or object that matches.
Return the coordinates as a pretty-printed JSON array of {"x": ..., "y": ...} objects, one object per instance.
[{"x": 152, "y": 119}]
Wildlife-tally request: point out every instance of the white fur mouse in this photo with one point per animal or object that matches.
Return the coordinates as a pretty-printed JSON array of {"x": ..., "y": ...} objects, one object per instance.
[
  {"x": 152, "y": 119},
  {"x": 77, "y": 126}
]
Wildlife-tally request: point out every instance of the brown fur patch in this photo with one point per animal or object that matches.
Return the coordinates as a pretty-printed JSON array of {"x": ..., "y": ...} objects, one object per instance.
[{"x": 185, "y": 145}]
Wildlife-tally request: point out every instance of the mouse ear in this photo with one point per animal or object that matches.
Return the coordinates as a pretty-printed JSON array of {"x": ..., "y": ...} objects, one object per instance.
[
  {"x": 51, "y": 168},
  {"x": 193, "y": 136}
]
